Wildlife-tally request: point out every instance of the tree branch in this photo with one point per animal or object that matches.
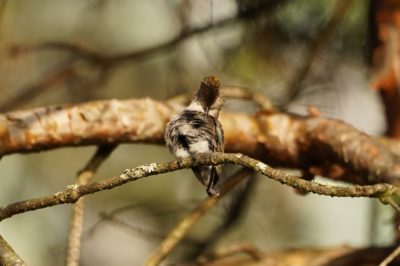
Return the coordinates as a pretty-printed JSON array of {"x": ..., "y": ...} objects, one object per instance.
[
  {"x": 319, "y": 145},
  {"x": 105, "y": 63},
  {"x": 75, "y": 228},
  {"x": 112, "y": 60},
  {"x": 316, "y": 47},
  {"x": 391, "y": 257},
  {"x": 385, "y": 192},
  {"x": 233, "y": 92},
  {"x": 337, "y": 256},
  {"x": 239, "y": 203},
  {"x": 8, "y": 256},
  {"x": 183, "y": 227}
]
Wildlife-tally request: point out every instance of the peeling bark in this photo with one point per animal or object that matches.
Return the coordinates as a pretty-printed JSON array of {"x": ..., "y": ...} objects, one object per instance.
[{"x": 319, "y": 145}]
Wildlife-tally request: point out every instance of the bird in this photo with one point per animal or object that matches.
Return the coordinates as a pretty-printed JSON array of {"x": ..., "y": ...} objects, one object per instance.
[{"x": 196, "y": 130}]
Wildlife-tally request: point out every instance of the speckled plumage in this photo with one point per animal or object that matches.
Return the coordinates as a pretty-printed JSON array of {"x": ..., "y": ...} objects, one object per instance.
[{"x": 197, "y": 130}]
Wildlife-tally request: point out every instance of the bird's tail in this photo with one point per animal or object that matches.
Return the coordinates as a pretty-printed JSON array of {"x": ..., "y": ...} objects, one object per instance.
[{"x": 209, "y": 177}]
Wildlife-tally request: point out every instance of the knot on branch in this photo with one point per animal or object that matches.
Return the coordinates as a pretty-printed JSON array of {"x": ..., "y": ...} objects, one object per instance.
[
  {"x": 71, "y": 195},
  {"x": 390, "y": 196}
]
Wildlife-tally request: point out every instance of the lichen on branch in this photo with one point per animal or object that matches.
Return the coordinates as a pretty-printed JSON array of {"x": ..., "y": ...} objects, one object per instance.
[{"x": 386, "y": 192}]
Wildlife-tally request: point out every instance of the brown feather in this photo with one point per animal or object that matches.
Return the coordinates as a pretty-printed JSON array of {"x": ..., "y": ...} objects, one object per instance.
[{"x": 208, "y": 91}]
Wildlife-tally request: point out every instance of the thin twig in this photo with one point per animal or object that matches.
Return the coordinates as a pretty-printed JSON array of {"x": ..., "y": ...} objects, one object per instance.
[
  {"x": 111, "y": 60},
  {"x": 232, "y": 92},
  {"x": 236, "y": 92},
  {"x": 136, "y": 230},
  {"x": 319, "y": 43},
  {"x": 182, "y": 228},
  {"x": 8, "y": 257},
  {"x": 107, "y": 216},
  {"x": 129, "y": 227},
  {"x": 238, "y": 206},
  {"x": 108, "y": 62},
  {"x": 47, "y": 82},
  {"x": 226, "y": 251},
  {"x": 75, "y": 228},
  {"x": 382, "y": 191},
  {"x": 391, "y": 257}
]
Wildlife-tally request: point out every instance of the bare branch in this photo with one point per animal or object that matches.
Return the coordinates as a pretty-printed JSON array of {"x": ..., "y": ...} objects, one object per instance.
[
  {"x": 391, "y": 257},
  {"x": 113, "y": 60},
  {"x": 342, "y": 255},
  {"x": 236, "y": 92},
  {"x": 55, "y": 77},
  {"x": 255, "y": 253},
  {"x": 239, "y": 203},
  {"x": 75, "y": 228},
  {"x": 183, "y": 227},
  {"x": 233, "y": 92},
  {"x": 318, "y": 145},
  {"x": 106, "y": 63},
  {"x": 319, "y": 43},
  {"x": 8, "y": 256},
  {"x": 130, "y": 228},
  {"x": 382, "y": 191}
]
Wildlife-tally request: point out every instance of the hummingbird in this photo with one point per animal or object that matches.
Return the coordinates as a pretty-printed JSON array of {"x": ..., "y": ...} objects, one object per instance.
[{"x": 196, "y": 130}]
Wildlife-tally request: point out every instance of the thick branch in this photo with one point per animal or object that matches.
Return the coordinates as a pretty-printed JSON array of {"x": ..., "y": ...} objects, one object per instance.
[
  {"x": 385, "y": 192},
  {"x": 8, "y": 256},
  {"x": 280, "y": 139}
]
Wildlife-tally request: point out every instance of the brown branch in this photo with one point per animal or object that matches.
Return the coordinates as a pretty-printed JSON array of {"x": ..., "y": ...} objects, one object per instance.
[
  {"x": 384, "y": 192},
  {"x": 226, "y": 251},
  {"x": 338, "y": 256},
  {"x": 8, "y": 256},
  {"x": 112, "y": 218},
  {"x": 240, "y": 202},
  {"x": 232, "y": 92},
  {"x": 236, "y": 92},
  {"x": 108, "y": 61},
  {"x": 47, "y": 82},
  {"x": 131, "y": 228},
  {"x": 75, "y": 228},
  {"x": 183, "y": 227},
  {"x": 392, "y": 256},
  {"x": 319, "y": 145}
]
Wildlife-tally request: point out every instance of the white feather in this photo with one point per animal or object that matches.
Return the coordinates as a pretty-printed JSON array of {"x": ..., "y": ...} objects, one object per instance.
[
  {"x": 199, "y": 147},
  {"x": 181, "y": 153}
]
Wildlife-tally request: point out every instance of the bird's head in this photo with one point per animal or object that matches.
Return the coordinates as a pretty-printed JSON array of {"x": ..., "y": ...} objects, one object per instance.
[{"x": 209, "y": 95}]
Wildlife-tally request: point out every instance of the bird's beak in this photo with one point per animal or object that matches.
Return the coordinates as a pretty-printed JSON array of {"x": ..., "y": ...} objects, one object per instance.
[{"x": 207, "y": 110}]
